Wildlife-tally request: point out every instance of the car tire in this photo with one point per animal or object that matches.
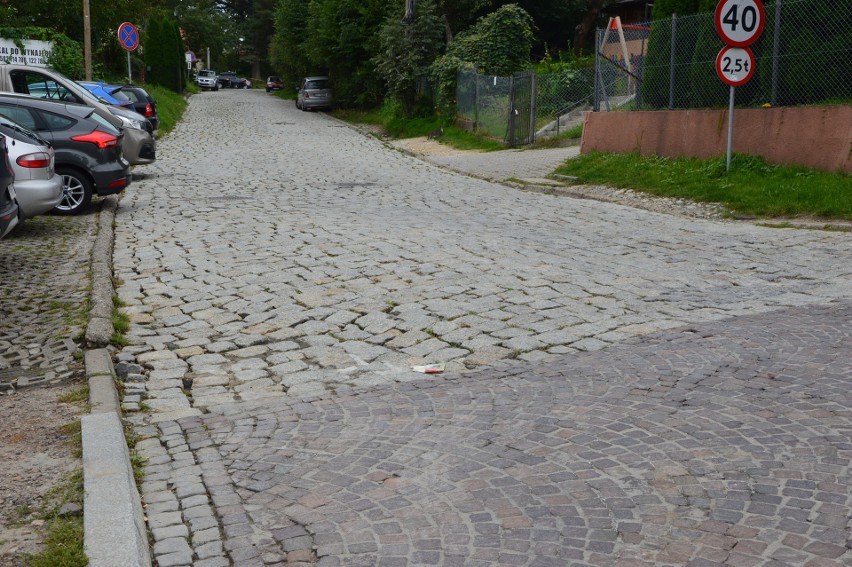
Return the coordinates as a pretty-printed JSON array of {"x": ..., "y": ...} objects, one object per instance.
[
  {"x": 76, "y": 192},
  {"x": 216, "y": 89}
]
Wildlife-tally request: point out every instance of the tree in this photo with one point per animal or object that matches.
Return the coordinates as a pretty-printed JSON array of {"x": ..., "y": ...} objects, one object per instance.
[
  {"x": 499, "y": 44},
  {"x": 407, "y": 52}
]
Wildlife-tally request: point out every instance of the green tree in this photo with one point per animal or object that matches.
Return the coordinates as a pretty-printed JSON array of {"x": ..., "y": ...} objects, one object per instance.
[
  {"x": 286, "y": 49},
  {"x": 499, "y": 44},
  {"x": 407, "y": 52},
  {"x": 164, "y": 54}
]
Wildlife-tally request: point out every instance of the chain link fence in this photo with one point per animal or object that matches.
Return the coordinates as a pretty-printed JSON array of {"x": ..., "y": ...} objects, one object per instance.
[
  {"x": 484, "y": 102},
  {"x": 802, "y": 57}
]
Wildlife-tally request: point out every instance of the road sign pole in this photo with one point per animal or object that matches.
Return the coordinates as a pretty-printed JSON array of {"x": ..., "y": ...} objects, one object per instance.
[
  {"x": 730, "y": 129},
  {"x": 129, "y": 71}
]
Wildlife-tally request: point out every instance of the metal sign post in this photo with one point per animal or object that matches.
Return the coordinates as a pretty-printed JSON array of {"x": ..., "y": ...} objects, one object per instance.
[
  {"x": 128, "y": 36},
  {"x": 739, "y": 23},
  {"x": 735, "y": 66}
]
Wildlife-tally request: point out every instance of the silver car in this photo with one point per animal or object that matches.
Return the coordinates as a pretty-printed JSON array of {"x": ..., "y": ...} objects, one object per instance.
[
  {"x": 207, "y": 80},
  {"x": 37, "y": 185},
  {"x": 315, "y": 92}
]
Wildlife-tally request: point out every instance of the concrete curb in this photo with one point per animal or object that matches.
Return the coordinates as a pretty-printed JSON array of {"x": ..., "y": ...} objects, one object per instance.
[
  {"x": 113, "y": 522},
  {"x": 99, "y": 330}
]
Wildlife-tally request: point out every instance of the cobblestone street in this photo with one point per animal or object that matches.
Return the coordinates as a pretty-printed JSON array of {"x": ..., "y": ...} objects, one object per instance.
[{"x": 620, "y": 387}]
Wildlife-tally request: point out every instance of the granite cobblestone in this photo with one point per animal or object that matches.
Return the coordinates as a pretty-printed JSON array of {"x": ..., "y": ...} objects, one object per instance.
[{"x": 621, "y": 386}]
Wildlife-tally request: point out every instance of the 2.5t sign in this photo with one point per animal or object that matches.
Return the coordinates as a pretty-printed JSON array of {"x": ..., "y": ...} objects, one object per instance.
[{"x": 740, "y": 22}]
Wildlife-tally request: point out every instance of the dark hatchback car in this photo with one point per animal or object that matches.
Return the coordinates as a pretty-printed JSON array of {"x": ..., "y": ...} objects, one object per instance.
[
  {"x": 87, "y": 147},
  {"x": 8, "y": 205},
  {"x": 143, "y": 103},
  {"x": 230, "y": 80}
]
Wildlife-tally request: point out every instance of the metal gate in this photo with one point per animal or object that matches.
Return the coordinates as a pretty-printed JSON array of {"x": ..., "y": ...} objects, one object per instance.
[{"x": 522, "y": 109}]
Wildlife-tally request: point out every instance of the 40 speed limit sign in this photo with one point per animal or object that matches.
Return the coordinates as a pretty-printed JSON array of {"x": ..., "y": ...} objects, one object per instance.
[
  {"x": 740, "y": 22},
  {"x": 735, "y": 65}
]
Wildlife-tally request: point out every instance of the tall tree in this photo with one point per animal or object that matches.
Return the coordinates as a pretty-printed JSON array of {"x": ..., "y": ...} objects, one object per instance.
[{"x": 407, "y": 52}]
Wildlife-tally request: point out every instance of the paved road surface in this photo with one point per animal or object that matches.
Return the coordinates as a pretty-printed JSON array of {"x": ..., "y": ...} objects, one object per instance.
[{"x": 621, "y": 386}]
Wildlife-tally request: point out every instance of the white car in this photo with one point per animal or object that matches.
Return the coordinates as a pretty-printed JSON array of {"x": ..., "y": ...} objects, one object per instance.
[
  {"x": 37, "y": 185},
  {"x": 207, "y": 79}
]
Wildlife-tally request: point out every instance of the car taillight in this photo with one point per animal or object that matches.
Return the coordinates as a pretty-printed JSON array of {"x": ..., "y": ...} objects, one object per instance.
[
  {"x": 100, "y": 139},
  {"x": 34, "y": 161},
  {"x": 149, "y": 110},
  {"x": 118, "y": 183}
]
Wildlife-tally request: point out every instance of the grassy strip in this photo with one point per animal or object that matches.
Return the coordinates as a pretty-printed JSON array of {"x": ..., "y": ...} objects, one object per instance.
[
  {"x": 64, "y": 544},
  {"x": 170, "y": 107},
  {"x": 752, "y": 187},
  {"x": 418, "y": 127}
]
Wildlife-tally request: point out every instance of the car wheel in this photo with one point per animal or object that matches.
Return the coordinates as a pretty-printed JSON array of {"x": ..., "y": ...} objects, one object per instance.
[
  {"x": 216, "y": 88},
  {"x": 76, "y": 192},
  {"x": 268, "y": 89}
]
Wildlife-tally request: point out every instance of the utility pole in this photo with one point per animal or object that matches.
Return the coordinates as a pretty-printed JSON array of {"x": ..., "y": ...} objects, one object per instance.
[{"x": 87, "y": 40}]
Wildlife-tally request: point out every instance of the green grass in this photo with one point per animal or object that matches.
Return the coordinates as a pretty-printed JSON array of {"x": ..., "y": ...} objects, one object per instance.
[
  {"x": 170, "y": 107},
  {"x": 64, "y": 538},
  {"x": 417, "y": 127},
  {"x": 752, "y": 187}
]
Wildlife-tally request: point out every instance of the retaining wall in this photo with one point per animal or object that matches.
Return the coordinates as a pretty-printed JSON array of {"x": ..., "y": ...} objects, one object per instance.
[{"x": 815, "y": 136}]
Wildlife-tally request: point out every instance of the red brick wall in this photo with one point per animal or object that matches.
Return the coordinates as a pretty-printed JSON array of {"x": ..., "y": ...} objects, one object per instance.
[{"x": 814, "y": 136}]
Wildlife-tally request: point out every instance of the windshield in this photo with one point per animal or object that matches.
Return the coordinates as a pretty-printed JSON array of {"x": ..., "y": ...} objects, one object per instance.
[
  {"x": 18, "y": 132},
  {"x": 206, "y": 73}
]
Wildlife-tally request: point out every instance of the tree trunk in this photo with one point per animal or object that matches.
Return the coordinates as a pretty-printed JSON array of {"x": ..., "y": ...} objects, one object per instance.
[
  {"x": 586, "y": 26},
  {"x": 447, "y": 29}
]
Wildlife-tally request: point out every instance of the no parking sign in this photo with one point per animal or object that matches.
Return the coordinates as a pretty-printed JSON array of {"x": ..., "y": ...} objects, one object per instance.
[{"x": 128, "y": 36}]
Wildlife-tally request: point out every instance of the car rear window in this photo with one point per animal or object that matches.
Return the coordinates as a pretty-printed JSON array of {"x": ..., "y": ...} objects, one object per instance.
[
  {"x": 55, "y": 122},
  {"x": 104, "y": 123},
  {"x": 317, "y": 84}
]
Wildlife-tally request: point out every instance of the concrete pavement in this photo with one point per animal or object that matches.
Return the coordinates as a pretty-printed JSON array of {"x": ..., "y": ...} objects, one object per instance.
[{"x": 621, "y": 386}]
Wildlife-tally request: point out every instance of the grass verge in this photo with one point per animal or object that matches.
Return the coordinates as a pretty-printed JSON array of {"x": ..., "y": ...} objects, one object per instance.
[
  {"x": 753, "y": 187},
  {"x": 170, "y": 107},
  {"x": 64, "y": 544},
  {"x": 417, "y": 127}
]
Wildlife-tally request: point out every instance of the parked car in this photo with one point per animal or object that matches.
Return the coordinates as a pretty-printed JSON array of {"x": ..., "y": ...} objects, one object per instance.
[
  {"x": 230, "y": 80},
  {"x": 139, "y": 146},
  {"x": 274, "y": 83},
  {"x": 8, "y": 204},
  {"x": 207, "y": 79},
  {"x": 87, "y": 148},
  {"x": 110, "y": 93},
  {"x": 37, "y": 185},
  {"x": 314, "y": 92},
  {"x": 143, "y": 103}
]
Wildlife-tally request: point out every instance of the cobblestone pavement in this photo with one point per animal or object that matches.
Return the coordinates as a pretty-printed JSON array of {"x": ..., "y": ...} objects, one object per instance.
[
  {"x": 275, "y": 262},
  {"x": 44, "y": 269},
  {"x": 727, "y": 443}
]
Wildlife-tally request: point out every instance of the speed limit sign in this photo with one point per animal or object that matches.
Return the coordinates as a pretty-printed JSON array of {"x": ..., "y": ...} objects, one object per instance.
[
  {"x": 735, "y": 65},
  {"x": 740, "y": 22}
]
